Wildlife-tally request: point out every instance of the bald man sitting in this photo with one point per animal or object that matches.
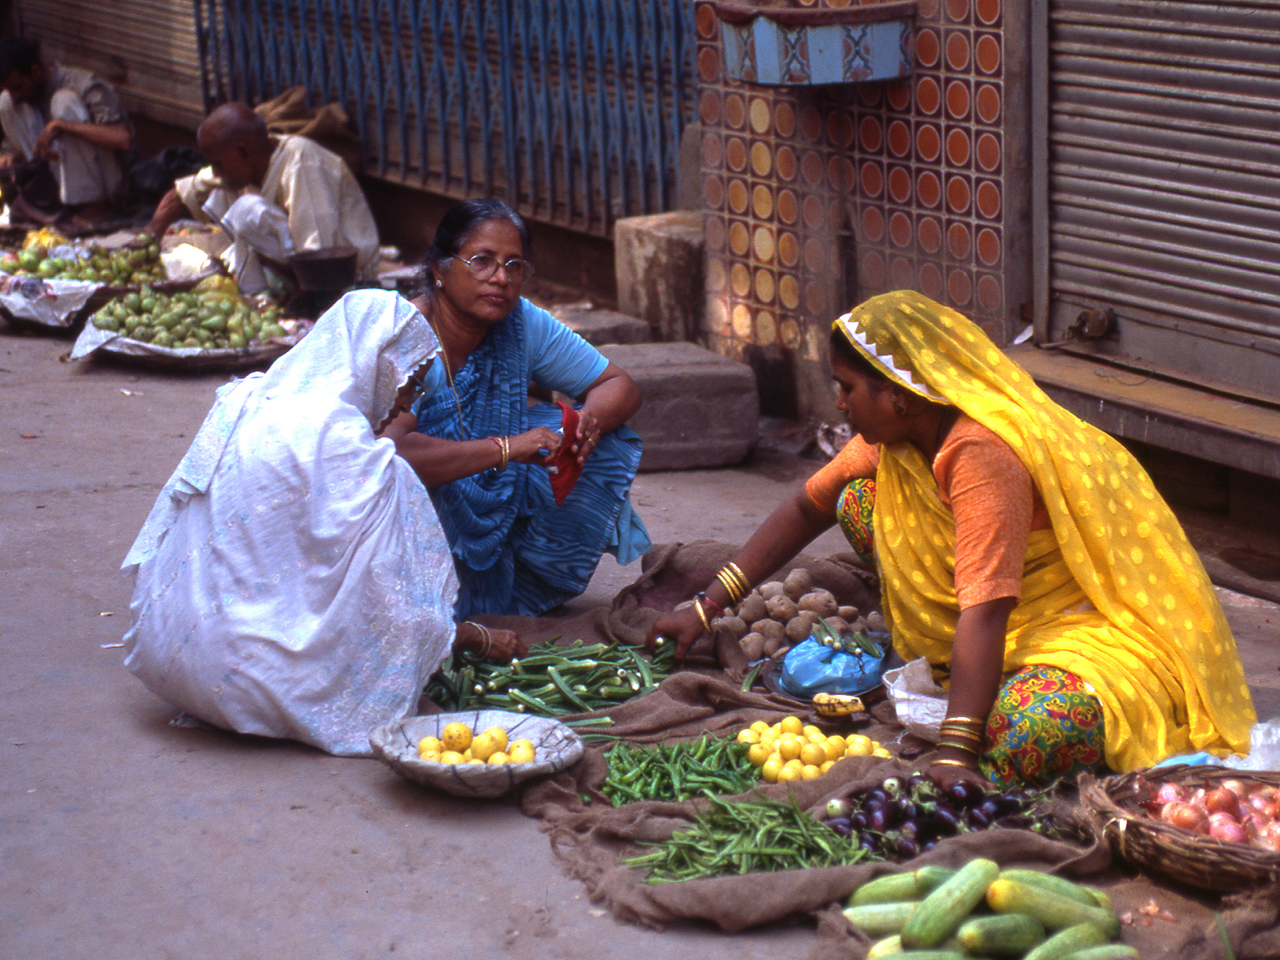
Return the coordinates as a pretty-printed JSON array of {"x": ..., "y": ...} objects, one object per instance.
[{"x": 273, "y": 196}]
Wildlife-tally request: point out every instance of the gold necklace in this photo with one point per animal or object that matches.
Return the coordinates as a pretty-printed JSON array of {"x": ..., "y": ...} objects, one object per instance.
[{"x": 448, "y": 375}]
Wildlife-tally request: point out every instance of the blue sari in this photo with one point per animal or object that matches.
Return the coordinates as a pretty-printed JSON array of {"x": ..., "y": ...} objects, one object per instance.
[{"x": 516, "y": 551}]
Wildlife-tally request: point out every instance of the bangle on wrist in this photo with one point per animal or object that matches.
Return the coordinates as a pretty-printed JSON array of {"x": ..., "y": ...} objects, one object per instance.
[
  {"x": 710, "y": 603},
  {"x": 702, "y": 615},
  {"x": 948, "y": 762}
]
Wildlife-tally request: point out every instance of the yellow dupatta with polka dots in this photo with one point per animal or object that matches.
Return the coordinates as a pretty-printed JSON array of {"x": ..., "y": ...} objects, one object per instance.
[{"x": 1113, "y": 593}]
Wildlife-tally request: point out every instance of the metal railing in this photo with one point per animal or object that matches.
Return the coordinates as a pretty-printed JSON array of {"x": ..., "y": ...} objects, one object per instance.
[{"x": 571, "y": 110}]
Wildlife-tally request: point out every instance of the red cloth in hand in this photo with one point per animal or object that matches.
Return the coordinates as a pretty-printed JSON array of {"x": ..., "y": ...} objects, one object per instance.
[{"x": 565, "y": 468}]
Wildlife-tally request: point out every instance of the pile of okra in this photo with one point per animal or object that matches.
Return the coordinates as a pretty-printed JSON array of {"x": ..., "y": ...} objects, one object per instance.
[{"x": 552, "y": 680}]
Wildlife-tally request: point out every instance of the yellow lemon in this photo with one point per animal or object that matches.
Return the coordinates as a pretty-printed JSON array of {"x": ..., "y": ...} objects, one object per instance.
[
  {"x": 759, "y": 726},
  {"x": 456, "y": 737},
  {"x": 789, "y": 746},
  {"x": 791, "y": 725},
  {"x": 812, "y": 754},
  {"x": 771, "y": 769},
  {"x": 429, "y": 744},
  {"x": 521, "y": 751},
  {"x": 758, "y": 753},
  {"x": 811, "y": 732},
  {"x": 748, "y": 736},
  {"x": 795, "y": 765},
  {"x": 879, "y": 751},
  {"x": 827, "y": 765},
  {"x": 498, "y": 758},
  {"x": 834, "y": 747},
  {"x": 809, "y": 772},
  {"x": 499, "y": 737},
  {"x": 431, "y": 756},
  {"x": 466, "y": 755},
  {"x": 483, "y": 747},
  {"x": 858, "y": 746},
  {"x": 451, "y": 756},
  {"x": 789, "y": 773}
]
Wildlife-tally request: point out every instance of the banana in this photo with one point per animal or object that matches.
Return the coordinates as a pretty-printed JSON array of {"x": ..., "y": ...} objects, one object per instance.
[{"x": 836, "y": 704}]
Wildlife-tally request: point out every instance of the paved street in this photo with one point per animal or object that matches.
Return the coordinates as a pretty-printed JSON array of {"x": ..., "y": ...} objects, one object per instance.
[{"x": 122, "y": 837}]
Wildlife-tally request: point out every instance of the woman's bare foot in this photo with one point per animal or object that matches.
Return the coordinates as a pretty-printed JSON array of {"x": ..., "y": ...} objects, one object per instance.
[{"x": 489, "y": 643}]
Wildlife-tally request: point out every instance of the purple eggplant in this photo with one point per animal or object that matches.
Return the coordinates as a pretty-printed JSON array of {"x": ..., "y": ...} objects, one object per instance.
[{"x": 841, "y": 825}]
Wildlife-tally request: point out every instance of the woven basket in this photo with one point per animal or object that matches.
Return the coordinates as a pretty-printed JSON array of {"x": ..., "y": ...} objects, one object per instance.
[
  {"x": 1173, "y": 852},
  {"x": 556, "y": 748}
]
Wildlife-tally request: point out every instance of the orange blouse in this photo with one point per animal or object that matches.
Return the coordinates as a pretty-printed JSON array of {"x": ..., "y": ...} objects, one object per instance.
[{"x": 985, "y": 486}]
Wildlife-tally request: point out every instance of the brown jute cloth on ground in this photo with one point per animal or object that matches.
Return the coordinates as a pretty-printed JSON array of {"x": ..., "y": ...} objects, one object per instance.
[{"x": 591, "y": 839}]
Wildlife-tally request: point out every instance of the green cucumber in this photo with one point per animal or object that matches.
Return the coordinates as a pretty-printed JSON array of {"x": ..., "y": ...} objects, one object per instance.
[
  {"x": 1067, "y": 941},
  {"x": 941, "y": 912},
  {"x": 880, "y": 919},
  {"x": 1110, "y": 951},
  {"x": 1002, "y": 934},
  {"x": 1051, "y": 909},
  {"x": 1048, "y": 881},
  {"x": 900, "y": 887}
]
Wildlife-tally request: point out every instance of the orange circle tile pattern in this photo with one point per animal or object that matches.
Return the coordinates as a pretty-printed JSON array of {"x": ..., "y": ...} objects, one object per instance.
[
  {"x": 900, "y": 184},
  {"x": 899, "y": 138},
  {"x": 759, "y": 115},
  {"x": 986, "y": 53},
  {"x": 903, "y": 178},
  {"x": 785, "y": 163},
  {"x": 788, "y": 206},
  {"x": 873, "y": 224},
  {"x": 762, "y": 202},
  {"x": 928, "y": 49},
  {"x": 928, "y": 142},
  {"x": 988, "y": 152},
  {"x": 761, "y": 159},
  {"x": 929, "y": 189},
  {"x": 735, "y": 110}
]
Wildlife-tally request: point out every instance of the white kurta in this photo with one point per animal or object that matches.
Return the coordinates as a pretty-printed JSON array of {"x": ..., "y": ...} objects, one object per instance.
[
  {"x": 292, "y": 578},
  {"x": 311, "y": 190}
]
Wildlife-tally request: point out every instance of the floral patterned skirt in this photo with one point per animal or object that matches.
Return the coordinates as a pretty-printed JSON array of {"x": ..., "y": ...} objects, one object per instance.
[{"x": 1045, "y": 724}]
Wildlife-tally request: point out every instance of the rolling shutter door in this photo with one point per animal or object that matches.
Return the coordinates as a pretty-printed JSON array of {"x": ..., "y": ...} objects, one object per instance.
[
  {"x": 1163, "y": 184},
  {"x": 145, "y": 48}
]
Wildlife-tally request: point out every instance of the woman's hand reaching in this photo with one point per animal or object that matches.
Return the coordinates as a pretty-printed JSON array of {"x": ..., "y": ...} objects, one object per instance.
[
  {"x": 681, "y": 627},
  {"x": 489, "y": 643},
  {"x": 538, "y": 445}
]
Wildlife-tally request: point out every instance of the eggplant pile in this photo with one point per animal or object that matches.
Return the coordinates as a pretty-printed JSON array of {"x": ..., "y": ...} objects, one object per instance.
[{"x": 902, "y": 818}]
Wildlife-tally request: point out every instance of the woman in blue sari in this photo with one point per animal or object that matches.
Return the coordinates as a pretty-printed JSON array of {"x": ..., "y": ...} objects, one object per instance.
[{"x": 530, "y": 494}]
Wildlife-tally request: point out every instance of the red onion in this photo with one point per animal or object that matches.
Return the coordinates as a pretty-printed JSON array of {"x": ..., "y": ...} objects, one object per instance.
[
  {"x": 1223, "y": 827},
  {"x": 1169, "y": 792},
  {"x": 1223, "y": 800}
]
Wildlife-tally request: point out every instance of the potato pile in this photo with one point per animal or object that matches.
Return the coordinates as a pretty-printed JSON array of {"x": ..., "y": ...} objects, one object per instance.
[{"x": 781, "y": 613}]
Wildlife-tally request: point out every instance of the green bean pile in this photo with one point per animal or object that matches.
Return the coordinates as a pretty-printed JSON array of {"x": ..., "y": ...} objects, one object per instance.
[
  {"x": 746, "y": 836},
  {"x": 677, "y": 771},
  {"x": 552, "y": 680}
]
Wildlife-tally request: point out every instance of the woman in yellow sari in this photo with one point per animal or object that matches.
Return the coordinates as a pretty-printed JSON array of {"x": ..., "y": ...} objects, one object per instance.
[{"x": 1021, "y": 551}]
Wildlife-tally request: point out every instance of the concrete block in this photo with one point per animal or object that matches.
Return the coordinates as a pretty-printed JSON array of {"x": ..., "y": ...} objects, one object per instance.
[
  {"x": 659, "y": 265},
  {"x": 700, "y": 409},
  {"x": 599, "y": 327}
]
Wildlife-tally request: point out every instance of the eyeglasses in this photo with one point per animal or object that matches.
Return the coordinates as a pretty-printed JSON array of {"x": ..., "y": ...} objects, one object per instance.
[{"x": 485, "y": 267}]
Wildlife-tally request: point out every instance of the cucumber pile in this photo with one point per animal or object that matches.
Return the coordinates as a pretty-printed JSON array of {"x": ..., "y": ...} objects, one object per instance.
[{"x": 934, "y": 913}]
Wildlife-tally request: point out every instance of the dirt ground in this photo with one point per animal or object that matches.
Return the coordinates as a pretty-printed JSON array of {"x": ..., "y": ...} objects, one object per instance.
[{"x": 123, "y": 837}]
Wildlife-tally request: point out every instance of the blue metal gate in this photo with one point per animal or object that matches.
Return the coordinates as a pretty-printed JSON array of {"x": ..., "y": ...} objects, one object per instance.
[{"x": 571, "y": 110}]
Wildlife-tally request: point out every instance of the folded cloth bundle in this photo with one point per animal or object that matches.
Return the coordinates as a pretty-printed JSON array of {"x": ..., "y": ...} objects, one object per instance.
[{"x": 565, "y": 468}]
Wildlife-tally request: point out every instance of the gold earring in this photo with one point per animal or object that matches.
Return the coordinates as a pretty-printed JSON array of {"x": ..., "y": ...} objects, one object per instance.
[
  {"x": 900, "y": 404},
  {"x": 438, "y": 283}
]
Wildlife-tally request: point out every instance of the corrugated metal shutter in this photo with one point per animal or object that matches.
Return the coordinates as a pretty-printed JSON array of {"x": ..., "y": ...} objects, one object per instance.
[
  {"x": 146, "y": 48},
  {"x": 1163, "y": 185}
]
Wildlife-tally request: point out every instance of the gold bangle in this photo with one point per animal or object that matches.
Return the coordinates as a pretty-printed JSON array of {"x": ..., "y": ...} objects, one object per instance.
[
  {"x": 506, "y": 452},
  {"x": 731, "y": 588},
  {"x": 735, "y": 571},
  {"x": 948, "y": 762},
  {"x": 502, "y": 451},
  {"x": 961, "y": 731},
  {"x": 702, "y": 615},
  {"x": 951, "y": 745},
  {"x": 488, "y": 638},
  {"x": 979, "y": 722}
]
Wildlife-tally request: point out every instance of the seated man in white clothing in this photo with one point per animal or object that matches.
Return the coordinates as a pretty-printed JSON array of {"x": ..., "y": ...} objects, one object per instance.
[
  {"x": 68, "y": 117},
  {"x": 273, "y": 196}
]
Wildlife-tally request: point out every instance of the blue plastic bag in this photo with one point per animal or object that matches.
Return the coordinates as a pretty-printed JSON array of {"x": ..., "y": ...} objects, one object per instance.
[{"x": 812, "y": 667}]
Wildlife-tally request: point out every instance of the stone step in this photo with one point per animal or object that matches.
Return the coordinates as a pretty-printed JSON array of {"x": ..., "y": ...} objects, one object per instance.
[
  {"x": 700, "y": 409},
  {"x": 658, "y": 260},
  {"x": 599, "y": 327}
]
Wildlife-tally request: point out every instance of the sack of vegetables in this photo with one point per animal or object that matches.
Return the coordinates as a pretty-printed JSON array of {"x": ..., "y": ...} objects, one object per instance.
[{"x": 831, "y": 662}]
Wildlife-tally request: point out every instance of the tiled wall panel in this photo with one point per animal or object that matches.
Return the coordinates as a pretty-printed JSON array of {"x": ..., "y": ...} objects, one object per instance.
[{"x": 817, "y": 197}]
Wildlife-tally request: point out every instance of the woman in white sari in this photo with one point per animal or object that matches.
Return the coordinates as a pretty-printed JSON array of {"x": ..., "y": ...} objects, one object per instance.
[{"x": 292, "y": 578}]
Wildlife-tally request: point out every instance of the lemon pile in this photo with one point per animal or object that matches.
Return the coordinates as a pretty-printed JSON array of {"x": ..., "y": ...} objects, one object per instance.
[
  {"x": 793, "y": 750},
  {"x": 458, "y": 744}
]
